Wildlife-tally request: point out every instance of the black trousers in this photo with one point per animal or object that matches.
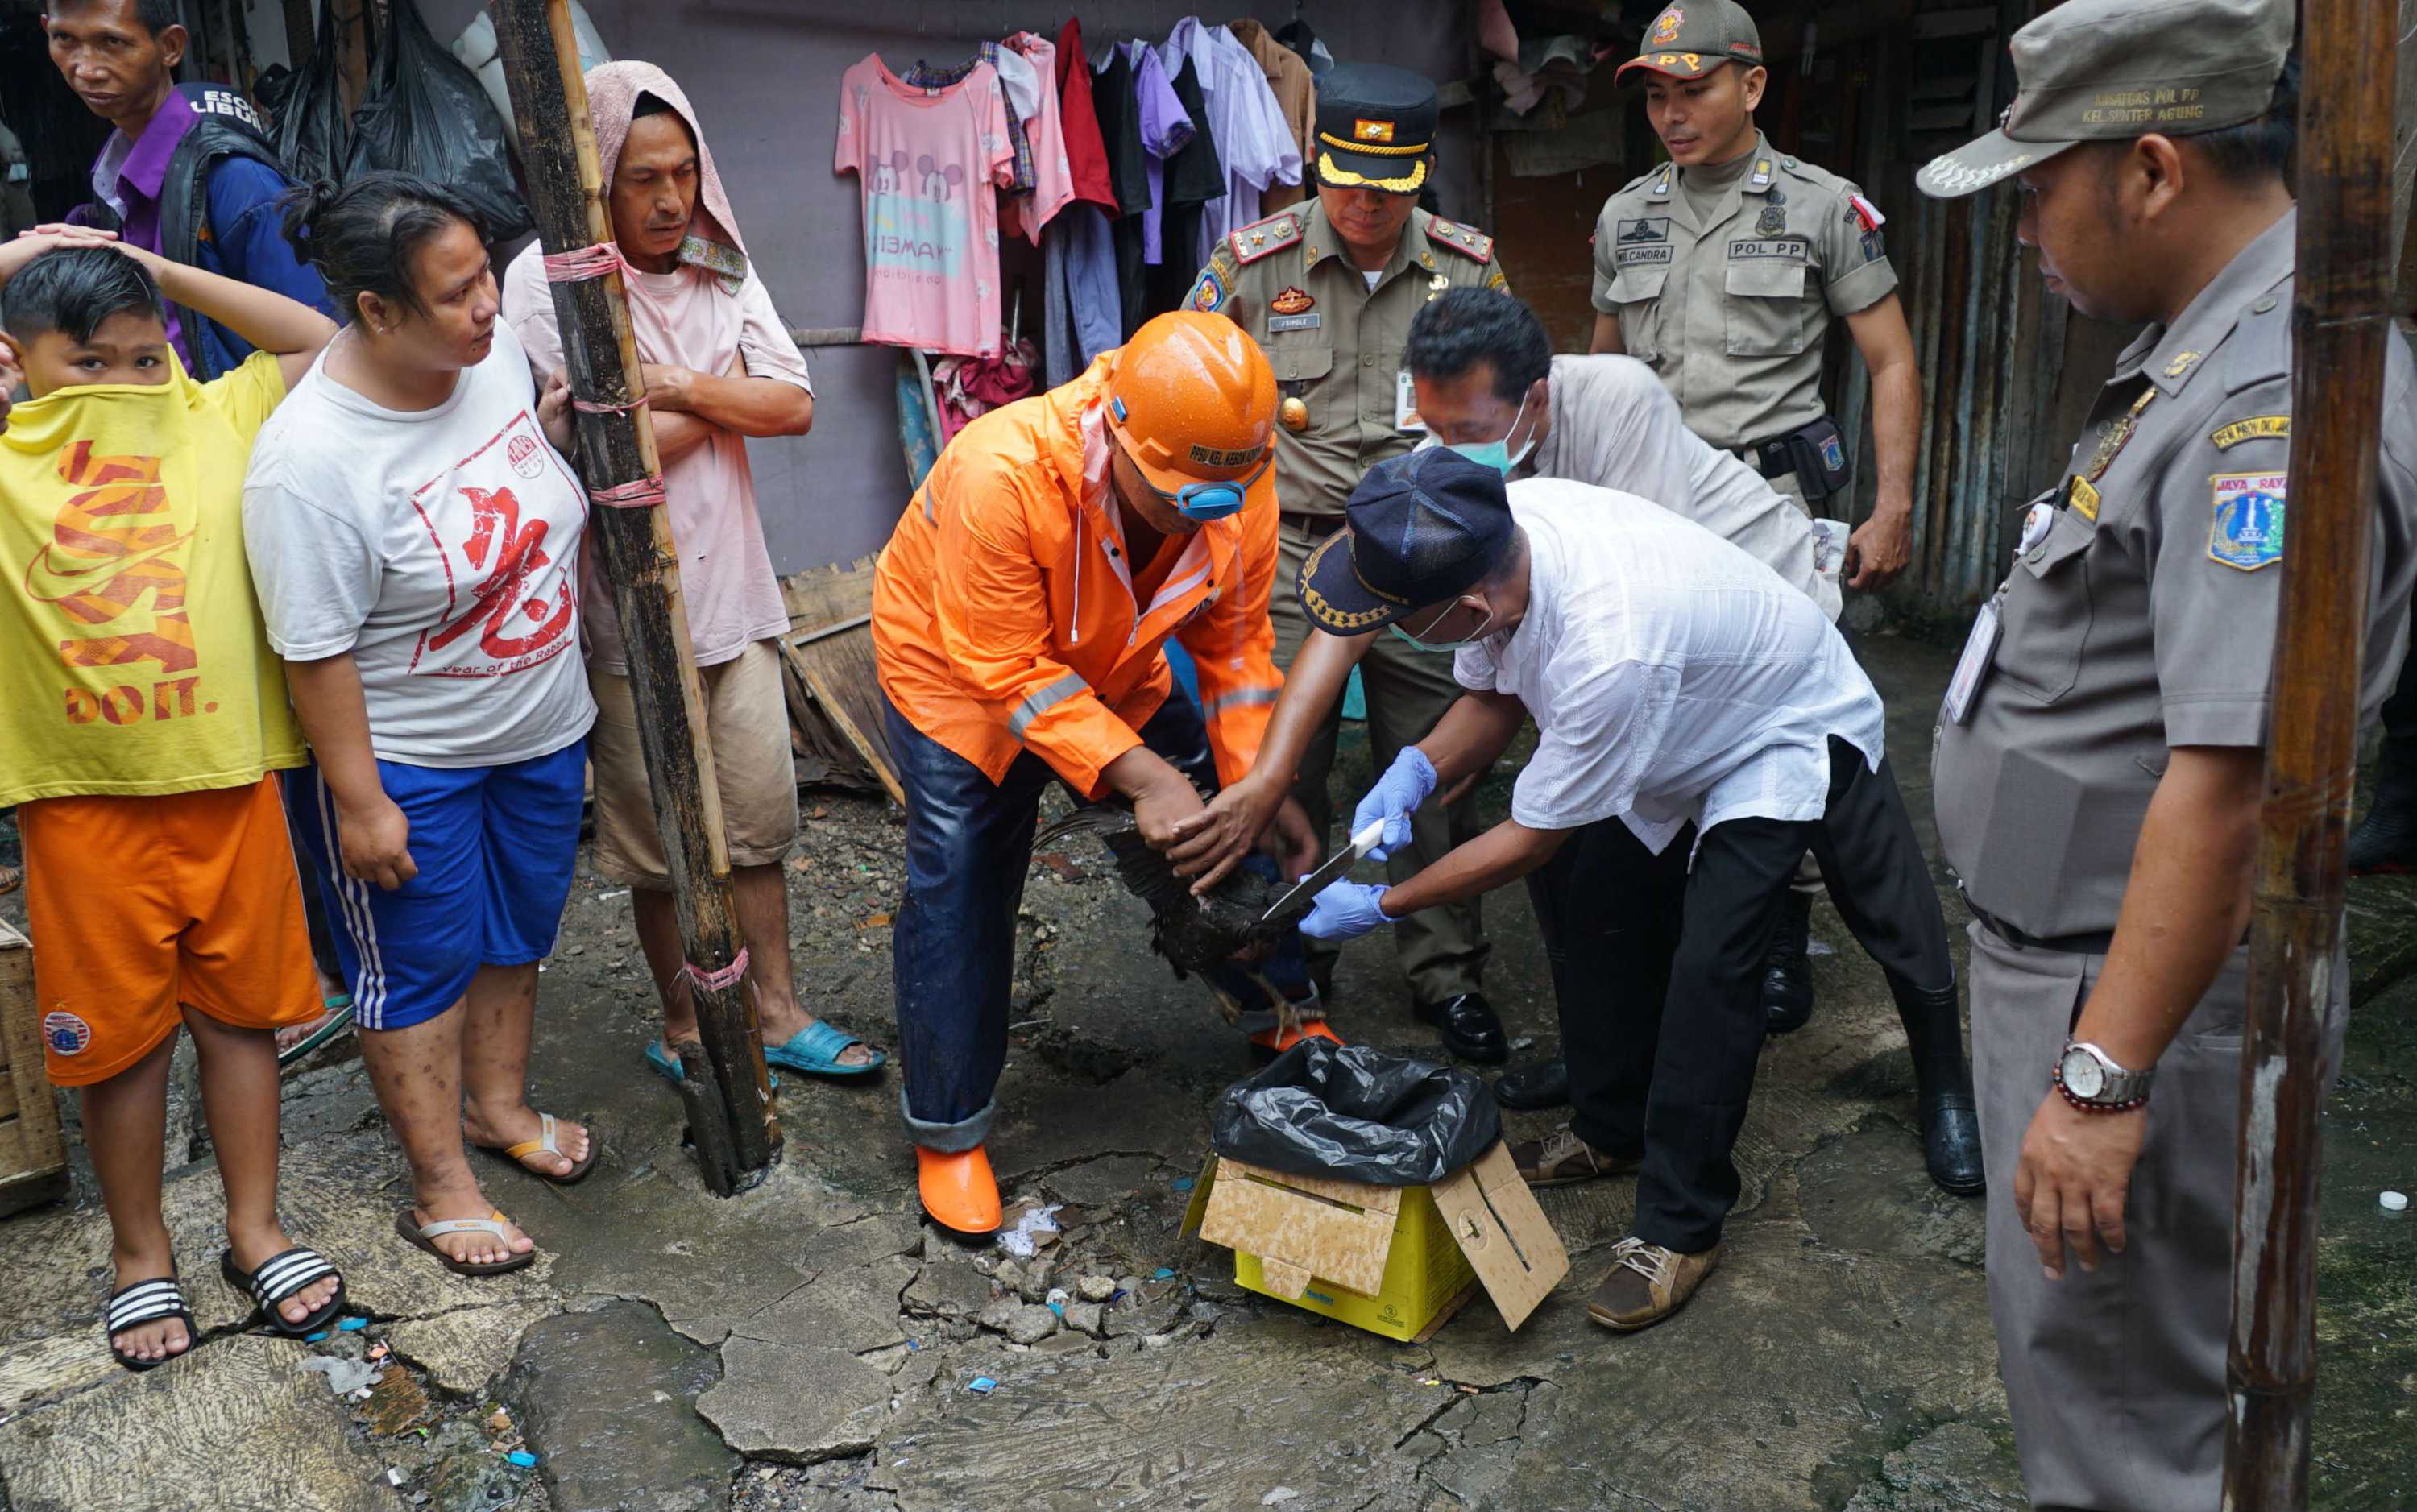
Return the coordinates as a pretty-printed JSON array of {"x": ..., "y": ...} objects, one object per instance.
[{"x": 1657, "y": 968}]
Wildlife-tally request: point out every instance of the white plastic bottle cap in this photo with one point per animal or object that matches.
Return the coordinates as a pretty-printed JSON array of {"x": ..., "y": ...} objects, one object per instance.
[{"x": 2395, "y": 1202}]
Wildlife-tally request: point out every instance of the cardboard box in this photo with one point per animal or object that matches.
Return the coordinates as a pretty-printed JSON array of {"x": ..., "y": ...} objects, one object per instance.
[
  {"x": 33, "y": 1154},
  {"x": 1396, "y": 1261}
]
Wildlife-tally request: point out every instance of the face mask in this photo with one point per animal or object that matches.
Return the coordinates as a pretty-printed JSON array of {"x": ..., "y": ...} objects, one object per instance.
[
  {"x": 1473, "y": 637},
  {"x": 1498, "y": 454}
]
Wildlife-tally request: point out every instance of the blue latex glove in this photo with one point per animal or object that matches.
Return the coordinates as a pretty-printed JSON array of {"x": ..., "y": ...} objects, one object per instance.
[
  {"x": 1346, "y": 911},
  {"x": 1405, "y": 785}
]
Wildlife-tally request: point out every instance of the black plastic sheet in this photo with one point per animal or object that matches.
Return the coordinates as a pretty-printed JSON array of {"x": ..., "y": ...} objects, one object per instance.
[
  {"x": 1357, "y": 1113},
  {"x": 425, "y": 113}
]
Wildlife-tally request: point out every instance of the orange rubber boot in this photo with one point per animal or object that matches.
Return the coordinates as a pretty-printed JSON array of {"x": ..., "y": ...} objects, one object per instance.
[
  {"x": 958, "y": 1188},
  {"x": 1281, "y": 1040}
]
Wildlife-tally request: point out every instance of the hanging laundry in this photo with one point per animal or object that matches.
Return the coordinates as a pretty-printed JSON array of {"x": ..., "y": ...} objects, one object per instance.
[
  {"x": 1142, "y": 122},
  {"x": 928, "y": 162},
  {"x": 1082, "y": 306},
  {"x": 1053, "y": 170},
  {"x": 1193, "y": 178},
  {"x": 1242, "y": 117},
  {"x": 968, "y": 387},
  {"x": 1016, "y": 78},
  {"x": 1086, "y": 154},
  {"x": 1296, "y": 93}
]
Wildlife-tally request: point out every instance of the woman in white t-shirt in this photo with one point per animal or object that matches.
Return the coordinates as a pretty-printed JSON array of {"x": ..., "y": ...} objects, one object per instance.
[{"x": 414, "y": 536}]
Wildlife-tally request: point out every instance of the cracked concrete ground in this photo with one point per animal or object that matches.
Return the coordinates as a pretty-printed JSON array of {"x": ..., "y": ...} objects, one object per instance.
[{"x": 813, "y": 1345}]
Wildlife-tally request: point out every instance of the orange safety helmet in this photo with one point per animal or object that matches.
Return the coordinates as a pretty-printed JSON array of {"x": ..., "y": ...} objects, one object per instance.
[{"x": 1192, "y": 400}]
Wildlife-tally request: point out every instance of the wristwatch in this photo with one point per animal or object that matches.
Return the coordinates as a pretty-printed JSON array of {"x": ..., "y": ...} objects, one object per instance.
[{"x": 2092, "y": 1081}]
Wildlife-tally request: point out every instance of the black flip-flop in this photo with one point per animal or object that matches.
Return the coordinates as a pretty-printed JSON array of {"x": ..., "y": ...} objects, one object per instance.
[
  {"x": 143, "y": 1302},
  {"x": 280, "y": 1277}
]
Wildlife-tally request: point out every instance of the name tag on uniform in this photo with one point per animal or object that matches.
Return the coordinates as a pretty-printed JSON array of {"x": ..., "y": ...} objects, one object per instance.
[
  {"x": 1980, "y": 650},
  {"x": 1406, "y": 403},
  {"x": 1294, "y": 322}
]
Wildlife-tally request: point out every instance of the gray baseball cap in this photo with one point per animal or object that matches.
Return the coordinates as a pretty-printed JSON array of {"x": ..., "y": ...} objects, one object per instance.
[{"x": 2100, "y": 70}]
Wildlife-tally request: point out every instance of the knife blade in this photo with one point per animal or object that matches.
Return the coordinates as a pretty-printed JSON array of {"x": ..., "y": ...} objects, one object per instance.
[{"x": 1316, "y": 881}]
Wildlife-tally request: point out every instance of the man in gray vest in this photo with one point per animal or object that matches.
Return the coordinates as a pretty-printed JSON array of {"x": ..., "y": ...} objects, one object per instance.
[{"x": 2100, "y": 756}]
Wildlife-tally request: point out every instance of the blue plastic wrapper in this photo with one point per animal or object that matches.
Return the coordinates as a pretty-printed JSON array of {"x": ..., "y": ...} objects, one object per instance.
[{"x": 1357, "y": 1113}]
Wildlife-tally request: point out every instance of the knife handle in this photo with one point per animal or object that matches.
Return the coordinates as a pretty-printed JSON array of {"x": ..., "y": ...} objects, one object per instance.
[{"x": 1367, "y": 839}]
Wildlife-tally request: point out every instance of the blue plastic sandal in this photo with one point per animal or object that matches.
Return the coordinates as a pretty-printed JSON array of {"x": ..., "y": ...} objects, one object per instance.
[
  {"x": 670, "y": 1069},
  {"x": 817, "y": 1050}
]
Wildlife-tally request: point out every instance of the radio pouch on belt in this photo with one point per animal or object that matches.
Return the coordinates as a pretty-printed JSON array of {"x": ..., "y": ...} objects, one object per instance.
[{"x": 1819, "y": 455}]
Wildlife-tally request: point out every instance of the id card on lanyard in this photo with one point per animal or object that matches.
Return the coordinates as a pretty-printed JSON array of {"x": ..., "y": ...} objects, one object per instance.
[{"x": 1980, "y": 650}]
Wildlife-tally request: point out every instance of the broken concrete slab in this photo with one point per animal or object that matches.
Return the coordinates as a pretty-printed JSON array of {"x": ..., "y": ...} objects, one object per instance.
[
  {"x": 796, "y": 1404},
  {"x": 607, "y": 1401},
  {"x": 235, "y": 1416},
  {"x": 463, "y": 1350},
  {"x": 1101, "y": 1183},
  {"x": 854, "y": 1311},
  {"x": 948, "y": 1286},
  {"x": 1866, "y": 1190},
  {"x": 1213, "y": 1424},
  {"x": 1958, "y": 1468}
]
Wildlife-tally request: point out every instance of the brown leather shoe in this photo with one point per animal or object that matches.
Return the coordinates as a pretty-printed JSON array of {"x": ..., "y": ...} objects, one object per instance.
[
  {"x": 1647, "y": 1284},
  {"x": 1562, "y": 1157}
]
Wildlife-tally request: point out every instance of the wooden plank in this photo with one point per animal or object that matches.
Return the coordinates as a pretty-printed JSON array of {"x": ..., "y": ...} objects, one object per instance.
[
  {"x": 33, "y": 1153},
  {"x": 725, "y": 1090},
  {"x": 822, "y": 597},
  {"x": 838, "y": 673}
]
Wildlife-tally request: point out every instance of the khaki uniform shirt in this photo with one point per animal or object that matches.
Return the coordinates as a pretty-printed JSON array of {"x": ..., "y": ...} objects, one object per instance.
[
  {"x": 2140, "y": 612},
  {"x": 1336, "y": 346},
  {"x": 1731, "y": 314}
]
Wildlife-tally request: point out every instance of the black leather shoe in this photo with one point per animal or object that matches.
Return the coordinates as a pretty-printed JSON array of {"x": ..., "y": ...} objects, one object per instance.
[
  {"x": 1950, "y": 1144},
  {"x": 1471, "y": 1029},
  {"x": 1545, "y": 1084},
  {"x": 2386, "y": 839},
  {"x": 1787, "y": 973}
]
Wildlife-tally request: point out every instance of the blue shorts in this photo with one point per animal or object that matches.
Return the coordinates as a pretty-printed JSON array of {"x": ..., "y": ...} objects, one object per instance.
[{"x": 495, "y": 847}]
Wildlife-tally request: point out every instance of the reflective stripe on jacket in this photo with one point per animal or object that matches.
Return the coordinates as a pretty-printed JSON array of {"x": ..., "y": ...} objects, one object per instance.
[{"x": 1003, "y": 609}]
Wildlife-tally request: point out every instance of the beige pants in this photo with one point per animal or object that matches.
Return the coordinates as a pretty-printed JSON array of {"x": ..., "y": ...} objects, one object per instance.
[
  {"x": 746, "y": 713},
  {"x": 2116, "y": 1379}
]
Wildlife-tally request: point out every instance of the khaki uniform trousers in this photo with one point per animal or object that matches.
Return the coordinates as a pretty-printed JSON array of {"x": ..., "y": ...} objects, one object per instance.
[
  {"x": 1442, "y": 950},
  {"x": 2116, "y": 1380}
]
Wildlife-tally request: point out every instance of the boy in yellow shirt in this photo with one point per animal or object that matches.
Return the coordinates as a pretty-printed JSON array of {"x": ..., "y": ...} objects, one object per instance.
[{"x": 147, "y": 716}]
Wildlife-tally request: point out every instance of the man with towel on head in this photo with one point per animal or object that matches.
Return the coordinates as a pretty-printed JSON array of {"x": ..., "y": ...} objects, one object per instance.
[{"x": 719, "y": 367}]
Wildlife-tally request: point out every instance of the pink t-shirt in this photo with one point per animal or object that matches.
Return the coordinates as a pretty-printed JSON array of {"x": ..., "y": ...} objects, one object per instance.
[
  {"x": 929, "y": 162},
  {"x": 685, "y": 319}
]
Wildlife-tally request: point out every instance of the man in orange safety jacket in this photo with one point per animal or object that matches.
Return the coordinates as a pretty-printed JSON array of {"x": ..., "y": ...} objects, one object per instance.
[{"x": 1019, "y": 614}]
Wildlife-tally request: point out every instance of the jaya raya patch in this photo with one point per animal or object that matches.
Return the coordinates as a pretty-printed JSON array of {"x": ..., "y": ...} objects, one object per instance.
[
  {"x": 64, "y": 1033},
  {"x": 2247, "y": 531},
  {"x": 1208, "y": 294}
]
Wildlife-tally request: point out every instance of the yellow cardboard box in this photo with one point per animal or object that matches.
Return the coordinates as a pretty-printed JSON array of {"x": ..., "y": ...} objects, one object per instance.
[{"x": 1396, "y": 1261}]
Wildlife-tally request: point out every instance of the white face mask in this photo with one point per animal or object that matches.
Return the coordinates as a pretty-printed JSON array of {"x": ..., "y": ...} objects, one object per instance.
[
  {"x": 1473, "y": 637},
  {"x": 1498, "y": 454}
]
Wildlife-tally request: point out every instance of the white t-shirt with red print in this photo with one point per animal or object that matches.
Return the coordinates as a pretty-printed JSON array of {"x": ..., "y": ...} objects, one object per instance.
[
  {"x": 930, "y": 162},
  {"x": 441, "y": 548}
]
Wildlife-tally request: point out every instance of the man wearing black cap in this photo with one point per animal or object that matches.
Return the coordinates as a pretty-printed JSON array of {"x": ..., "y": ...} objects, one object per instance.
[
  {"x": 1680, "y": 688},
  {"x": 1721, "y": 270},
  {"x": 2100, "y": 761},
  {"x": 1328, "y": 289}
]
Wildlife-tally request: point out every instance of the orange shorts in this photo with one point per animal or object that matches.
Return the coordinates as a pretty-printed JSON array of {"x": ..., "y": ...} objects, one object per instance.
[{"x": 139, "y": 904}]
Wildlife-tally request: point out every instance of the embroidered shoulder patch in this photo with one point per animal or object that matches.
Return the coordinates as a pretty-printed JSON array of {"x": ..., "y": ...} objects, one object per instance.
[
  {"x": 2246, "y": 533},
  {"x": 1209, "y": 295},
  {"x": 2256, "y": 427}
]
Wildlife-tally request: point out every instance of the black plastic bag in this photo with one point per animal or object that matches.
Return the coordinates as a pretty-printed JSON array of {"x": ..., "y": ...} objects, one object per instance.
[
  {"x": 312, "y": 133},
  {"x": 1357, "y": 1113},
  {"x": 425, "y": 113}
]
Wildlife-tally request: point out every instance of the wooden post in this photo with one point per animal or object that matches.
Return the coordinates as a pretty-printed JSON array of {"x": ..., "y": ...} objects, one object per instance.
[
  {"x": 729, "y": 1103},
  {"x": 2341, "y": 324}
]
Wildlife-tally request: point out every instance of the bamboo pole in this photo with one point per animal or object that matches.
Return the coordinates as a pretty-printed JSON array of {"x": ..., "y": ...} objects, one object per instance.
[
  {"x": 2341, "y": 324},
  {"x": 728, "y": 1098}
]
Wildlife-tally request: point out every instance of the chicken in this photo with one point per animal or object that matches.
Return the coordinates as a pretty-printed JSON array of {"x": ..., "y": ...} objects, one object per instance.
[{"x": 1194, "y": 934}]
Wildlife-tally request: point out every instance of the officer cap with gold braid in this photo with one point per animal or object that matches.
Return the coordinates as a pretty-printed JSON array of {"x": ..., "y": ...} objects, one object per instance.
[
  {"x": 1376, "y": 128},
  {"x": 1423, "y": 527}
]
